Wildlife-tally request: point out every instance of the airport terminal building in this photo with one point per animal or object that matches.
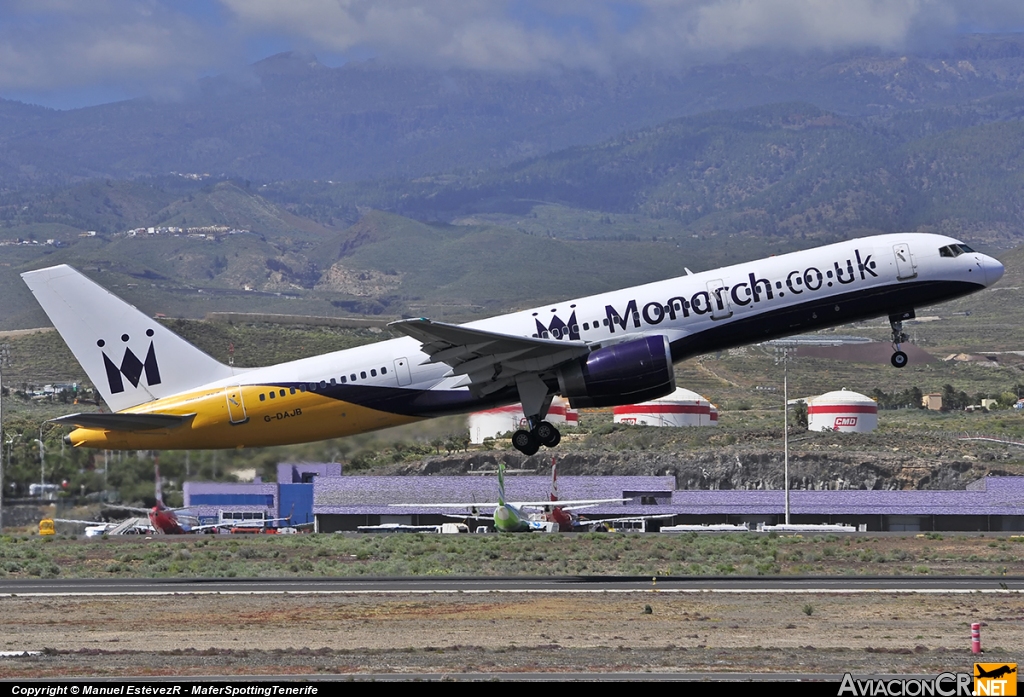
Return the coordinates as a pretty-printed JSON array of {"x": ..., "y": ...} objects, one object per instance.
[{"x": 317, "y": 493}]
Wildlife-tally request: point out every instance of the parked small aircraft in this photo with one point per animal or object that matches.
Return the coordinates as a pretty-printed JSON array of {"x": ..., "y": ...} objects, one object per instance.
[
  {"x": 164, "y": 520},
  {"x": 567, "y": 519}
]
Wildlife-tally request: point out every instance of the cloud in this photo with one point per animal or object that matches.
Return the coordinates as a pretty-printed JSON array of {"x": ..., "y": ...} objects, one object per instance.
[
  {"x": 526, "y": 35},
  {"x": 136, "y": 46},
  {"x": 161, "y": 46}
]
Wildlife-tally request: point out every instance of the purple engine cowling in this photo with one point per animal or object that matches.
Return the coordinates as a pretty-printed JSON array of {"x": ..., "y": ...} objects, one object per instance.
[{"x": 626, "y": 373}]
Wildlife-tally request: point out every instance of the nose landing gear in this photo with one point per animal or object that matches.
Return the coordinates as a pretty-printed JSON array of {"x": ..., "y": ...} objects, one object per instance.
[{"x": 899, "y": 358}]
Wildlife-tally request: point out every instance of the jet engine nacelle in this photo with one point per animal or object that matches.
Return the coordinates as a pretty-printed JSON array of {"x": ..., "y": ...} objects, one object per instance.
[{"x": 625, "y": 373}]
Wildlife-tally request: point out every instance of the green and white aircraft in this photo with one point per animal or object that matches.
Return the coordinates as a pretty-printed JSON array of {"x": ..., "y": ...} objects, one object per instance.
[{"x": 553, "y": 515}]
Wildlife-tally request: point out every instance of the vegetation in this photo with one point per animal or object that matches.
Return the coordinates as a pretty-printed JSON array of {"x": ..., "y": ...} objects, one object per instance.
[{"x": 507, "y": 555}]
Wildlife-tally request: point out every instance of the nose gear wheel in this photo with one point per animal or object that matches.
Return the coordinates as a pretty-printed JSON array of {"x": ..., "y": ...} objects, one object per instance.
[{"x": 899, "y": 358}]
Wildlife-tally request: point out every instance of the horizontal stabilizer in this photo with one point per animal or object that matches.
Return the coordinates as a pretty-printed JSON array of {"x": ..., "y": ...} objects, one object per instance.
[{"x": 125, "y": 422}]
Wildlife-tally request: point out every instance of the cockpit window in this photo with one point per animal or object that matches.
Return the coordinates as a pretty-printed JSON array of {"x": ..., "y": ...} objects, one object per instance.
[{"x": 954, "y": 250}]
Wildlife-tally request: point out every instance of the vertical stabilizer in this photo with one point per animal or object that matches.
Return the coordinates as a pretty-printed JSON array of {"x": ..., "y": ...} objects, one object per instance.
[
  {"x": 130, "y": 358},
  {"x": 158, "y": 489}
]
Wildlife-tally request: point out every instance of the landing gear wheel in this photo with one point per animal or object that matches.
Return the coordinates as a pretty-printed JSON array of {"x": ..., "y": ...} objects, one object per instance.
[
  {"x": 547, "y": 434},
  {"x": 525, "y": 442},
  {"x": 899, "y": 359}
]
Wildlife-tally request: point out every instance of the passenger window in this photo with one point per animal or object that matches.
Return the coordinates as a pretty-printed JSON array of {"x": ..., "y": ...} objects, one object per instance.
[
  {"x": 291, "y": 390},
  {"x": 272, "y": 395},
  {"x": 352, "y": 377},
  {"x": 333, "y": 381},
  {"x": 263, "y": 397},
  {"x": 383, "y": 371},
  {"x": 362, "y": 374},
  {"x": 282, "y": 393},
  {"x": 323, "y": 384},
  {"x": 575, "y": 328},
  {"x": 373, "y": 372},
  {"x": 586, "y": 326},
  {"x": 343, "y": 381}
]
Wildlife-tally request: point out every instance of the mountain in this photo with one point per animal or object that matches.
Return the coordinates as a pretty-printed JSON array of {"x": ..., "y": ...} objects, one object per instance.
[
  {"x": 777, "y": 171},
  {"x": 290, "y": 117}
]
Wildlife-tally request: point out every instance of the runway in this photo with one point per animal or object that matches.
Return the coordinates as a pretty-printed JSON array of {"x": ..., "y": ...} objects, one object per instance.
[{"x": 515, "y": 584}]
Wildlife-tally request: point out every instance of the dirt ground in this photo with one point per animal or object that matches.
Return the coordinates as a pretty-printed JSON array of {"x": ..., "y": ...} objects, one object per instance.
[{"x": 197, "y": 635}]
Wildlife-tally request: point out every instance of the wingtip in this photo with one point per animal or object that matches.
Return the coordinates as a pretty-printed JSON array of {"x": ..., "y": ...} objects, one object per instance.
[
  {"x": 48, "y": 271},
  {"x": 409, "y": 320}
]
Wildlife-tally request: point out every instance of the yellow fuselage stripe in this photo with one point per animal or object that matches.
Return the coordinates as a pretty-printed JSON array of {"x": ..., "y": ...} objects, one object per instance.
[{"x": 236, "y": 418}]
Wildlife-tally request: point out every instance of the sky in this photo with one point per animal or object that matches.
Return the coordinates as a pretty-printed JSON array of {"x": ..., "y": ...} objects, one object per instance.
[{"x": 68, "y": 53}]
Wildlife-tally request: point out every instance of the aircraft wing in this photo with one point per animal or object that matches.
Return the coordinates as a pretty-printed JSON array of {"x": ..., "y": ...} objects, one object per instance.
[
  {"x": 124, "y": 422},
  {"x": 470, "y": 506},
  {"x": 627, "y": 519},
  {"x": 567, "y": 505},
  {"x": 473, "y": 515},
  {"x": 133, "y": 509},
  {"x": 489, "y": 360}
]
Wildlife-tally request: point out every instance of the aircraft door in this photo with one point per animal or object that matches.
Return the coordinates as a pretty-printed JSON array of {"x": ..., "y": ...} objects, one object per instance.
[
  {"x": 905, "y": 266},
  {"x": 236, "y": 405},
  {"x": 402, "y": 371},
  {"x": 721, "y": 308}
]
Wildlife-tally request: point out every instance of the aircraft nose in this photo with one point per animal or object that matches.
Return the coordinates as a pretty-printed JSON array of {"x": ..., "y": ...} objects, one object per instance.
[{"x": 993, "y": 269}]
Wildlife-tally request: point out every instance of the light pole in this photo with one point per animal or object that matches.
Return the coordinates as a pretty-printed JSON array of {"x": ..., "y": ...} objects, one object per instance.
[
  {"x": 42, "y": 462},
  {"x": 3, "y": 358},
  {"x": 783, "y": 357}
]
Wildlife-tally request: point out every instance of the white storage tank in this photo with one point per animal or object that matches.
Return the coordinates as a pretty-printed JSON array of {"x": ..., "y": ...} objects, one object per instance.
[
  {"x": 494, "y": 422},
  {"x": 681, "y": 408},
  {"x": 842, "y": 410}
]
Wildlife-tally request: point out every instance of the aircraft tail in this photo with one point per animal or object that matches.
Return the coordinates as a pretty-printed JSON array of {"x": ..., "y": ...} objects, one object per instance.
[
  {"x": 130, "y": 358},
  {"x": 158, "y": 489}
]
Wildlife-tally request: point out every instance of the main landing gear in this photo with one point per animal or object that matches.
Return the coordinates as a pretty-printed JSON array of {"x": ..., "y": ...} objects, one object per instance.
[
  {"x": 534, "y": 395},
  {"x": 899, "y": 358},
  {"x": 529, "y": 442}
]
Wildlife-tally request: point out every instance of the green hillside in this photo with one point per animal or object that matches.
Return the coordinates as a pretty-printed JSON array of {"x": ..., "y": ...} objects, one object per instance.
[{"x": 787, "y": 170}]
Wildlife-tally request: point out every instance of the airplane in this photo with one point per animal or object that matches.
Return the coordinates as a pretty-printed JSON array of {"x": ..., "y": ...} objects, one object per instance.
[
  {"x": 567, "y": 519},
  {"x": 604, "y": 350},
  {"x": 164, "y": 520},
  {"x": 511, "y": 517}
]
